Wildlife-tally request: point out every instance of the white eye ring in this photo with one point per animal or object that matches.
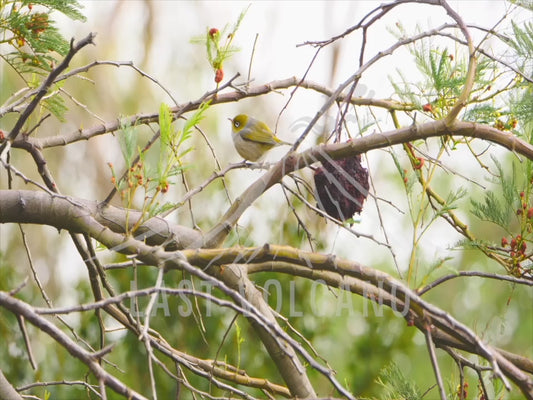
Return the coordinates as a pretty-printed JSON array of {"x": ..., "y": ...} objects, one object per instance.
[{"x": 236, "y": 124}]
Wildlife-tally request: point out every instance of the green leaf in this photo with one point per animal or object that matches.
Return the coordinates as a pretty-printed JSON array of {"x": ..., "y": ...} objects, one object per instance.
[
  {"x": 498, "y": 207},
  {"x": 396, "y": 385},
  {"x": 194, "y": 120},
  {"x": 167, "y": 133},
  {"x": 69, "y": 8},
  {"x": 128, "y": 144},
  {"x": 165, "y": 123},
  {"x": 490, "y": 210},
  {"x": 451, "y": 201},
  {"x": 483, "y": 114}
]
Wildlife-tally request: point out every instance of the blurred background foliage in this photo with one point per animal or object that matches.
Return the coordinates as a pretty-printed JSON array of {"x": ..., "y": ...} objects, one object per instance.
[{"x": 358, "y": 341}]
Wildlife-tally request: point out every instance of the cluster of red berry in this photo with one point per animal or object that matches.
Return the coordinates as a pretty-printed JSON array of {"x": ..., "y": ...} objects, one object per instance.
[
  {"x": 135, "y": 178},
  {"x": 219, "y": 72},
  {"x": 416, "y": 162},
  {"x": 37, "y": 24},
  {"x": 524, "y": 210},
  {"x": 516, "y": 245},
  {"x": 506, "y": 126},
  {"x": 464, "y": 391}
]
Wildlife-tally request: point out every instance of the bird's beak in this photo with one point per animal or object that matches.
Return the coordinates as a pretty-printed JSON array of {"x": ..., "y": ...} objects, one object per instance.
[{"x": 230, "y": 120}]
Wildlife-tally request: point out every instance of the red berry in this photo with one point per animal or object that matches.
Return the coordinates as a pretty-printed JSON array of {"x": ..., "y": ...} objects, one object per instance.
[
  {"x": 522, "y": 194},
  {"x": 530, "y": 213},
  {"x": 219, "y": 75},
  {"x": 513, "y": 243},
  {"x": 419, "y": 163},
  {"x": 213, "y": 32},
  {"x": 427, "y": 107},
  {"x": 504, "y": 242}
]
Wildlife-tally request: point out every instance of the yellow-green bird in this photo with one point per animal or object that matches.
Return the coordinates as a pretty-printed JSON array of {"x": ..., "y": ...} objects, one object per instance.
[{"x": 253, "y": 138}]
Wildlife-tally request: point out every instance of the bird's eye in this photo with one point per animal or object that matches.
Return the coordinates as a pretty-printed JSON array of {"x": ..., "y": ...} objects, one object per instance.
[{"x": 236, "y": 124}]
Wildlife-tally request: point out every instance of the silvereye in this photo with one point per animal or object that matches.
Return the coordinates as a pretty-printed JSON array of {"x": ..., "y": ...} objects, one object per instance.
[{"x": 252, "y": 138}]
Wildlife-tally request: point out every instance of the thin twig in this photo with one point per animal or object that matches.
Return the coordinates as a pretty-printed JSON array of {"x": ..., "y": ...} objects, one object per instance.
[
  {"x": 117, "y": 64},
  {"x": 29, "y": 386},
  {"x": 434, "y": 362},
  {"x": 508, "y": 278},
  {"x": 27, "y": 342}
]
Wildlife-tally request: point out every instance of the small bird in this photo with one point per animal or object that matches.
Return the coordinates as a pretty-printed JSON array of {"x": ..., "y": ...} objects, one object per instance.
[{"x": 253, "y": 138}]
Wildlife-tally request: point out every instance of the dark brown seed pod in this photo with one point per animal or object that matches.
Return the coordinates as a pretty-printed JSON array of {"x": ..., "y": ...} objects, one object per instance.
[{"x": 341, "y": 187}]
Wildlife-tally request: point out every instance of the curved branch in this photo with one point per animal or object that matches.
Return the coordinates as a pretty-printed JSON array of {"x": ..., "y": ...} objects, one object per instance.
[
  {"x": 295, "y": 161},
  {"x": 259, "y": 90},
  {"x": 208, "y": 260},
  {"x": 446, "y": 329},
  {"x": 519, "y": 281},
  {"x": 80, "y": 216},
  {"x": 364, "y": 288}
]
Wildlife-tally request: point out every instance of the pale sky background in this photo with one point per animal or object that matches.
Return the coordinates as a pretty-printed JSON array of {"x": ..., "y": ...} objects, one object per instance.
[{"x": 280, "y": 26}]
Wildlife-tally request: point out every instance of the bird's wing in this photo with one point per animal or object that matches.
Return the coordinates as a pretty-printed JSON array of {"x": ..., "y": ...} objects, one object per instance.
[{"x": 262, "y": 134}]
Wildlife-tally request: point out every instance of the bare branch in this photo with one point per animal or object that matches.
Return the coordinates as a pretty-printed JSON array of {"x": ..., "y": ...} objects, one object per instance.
[
  {"x": 17, "y": 307},
  {"x": 295, "y": 161},
  {"x": 7, "y": 391},
  {"x": 528, "y": 282},
  {"x": 434, "y": 362}
]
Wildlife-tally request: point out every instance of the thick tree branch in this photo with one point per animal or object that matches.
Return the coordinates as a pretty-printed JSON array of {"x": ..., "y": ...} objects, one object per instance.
[
  {"x": 336, "y": 151},
  {"x": 7, "y": 391},
  {"x": 158, "y": 243},
  {"x": 254, "y": 91},
  {"x": 81, "y": 216},
  {"x": 317, "y": 262},
  {"x": 209, "y": 259}
]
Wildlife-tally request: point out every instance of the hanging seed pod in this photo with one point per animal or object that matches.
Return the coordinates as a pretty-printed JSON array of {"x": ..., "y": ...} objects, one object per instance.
[{"x": 341, "y": 187}]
